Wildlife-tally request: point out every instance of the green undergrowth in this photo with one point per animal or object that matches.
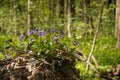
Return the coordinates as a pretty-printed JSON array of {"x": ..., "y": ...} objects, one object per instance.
[{"x": 105, "y": 53}]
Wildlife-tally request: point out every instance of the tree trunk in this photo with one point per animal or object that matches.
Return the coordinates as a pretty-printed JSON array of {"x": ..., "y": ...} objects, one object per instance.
[
  {"x": 57, "y": 8},
  {"x": 69, "y": 18},
  {"x": 15, "y": 8},
  {"x": 65, "y": 12},
  {"x": 118, "y": 23},
  {"x": 28, "y": 20},
  {"x": 85, "y": 11}
]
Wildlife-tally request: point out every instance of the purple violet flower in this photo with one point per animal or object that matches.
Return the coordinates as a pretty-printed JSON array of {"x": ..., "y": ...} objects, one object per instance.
[
  {"x": 42, "y": 33},
  {"x": 62, "y": 34},
  {"x": 75, "y": 43},
  {"x": 56, "y": 39},
  {"x": 21, "y": 37},
  {"x": 32, "y": 32}
]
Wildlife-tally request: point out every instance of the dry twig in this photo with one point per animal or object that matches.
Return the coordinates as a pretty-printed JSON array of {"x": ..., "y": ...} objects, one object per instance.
[{"x": 95, "y": 37}]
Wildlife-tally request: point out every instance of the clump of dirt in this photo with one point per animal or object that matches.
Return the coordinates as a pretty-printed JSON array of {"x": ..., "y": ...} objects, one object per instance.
[{"x": 30, "y": 68}]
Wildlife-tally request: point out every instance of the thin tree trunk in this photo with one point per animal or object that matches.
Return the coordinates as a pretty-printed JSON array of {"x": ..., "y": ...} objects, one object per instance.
[
  {"x": 114, "y": 2},
  {"x": 65, "y": 11},
  {"x": 57, "y": 8},
  {"x": 28, "y": 20},
  {"x": 69, "y": 19},
  {"x": 15, "y": 7},
  {"x": 118, "y": 23},
  {"x": 77, "y": 5},
  {"x": 85, "y": 11}
]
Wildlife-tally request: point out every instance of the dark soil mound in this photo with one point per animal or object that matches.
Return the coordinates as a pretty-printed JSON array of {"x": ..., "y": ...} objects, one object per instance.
[{"x": 30, "y": 68}]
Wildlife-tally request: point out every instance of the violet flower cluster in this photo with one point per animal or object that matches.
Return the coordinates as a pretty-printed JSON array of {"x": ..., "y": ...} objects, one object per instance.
[{"x": 44, "y": 33}]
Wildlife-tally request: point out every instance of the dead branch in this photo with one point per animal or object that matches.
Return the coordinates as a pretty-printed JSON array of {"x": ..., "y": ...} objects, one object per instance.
[
  {"x": 80, "y": 56},
  {"x": 95, "y": 37}
]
